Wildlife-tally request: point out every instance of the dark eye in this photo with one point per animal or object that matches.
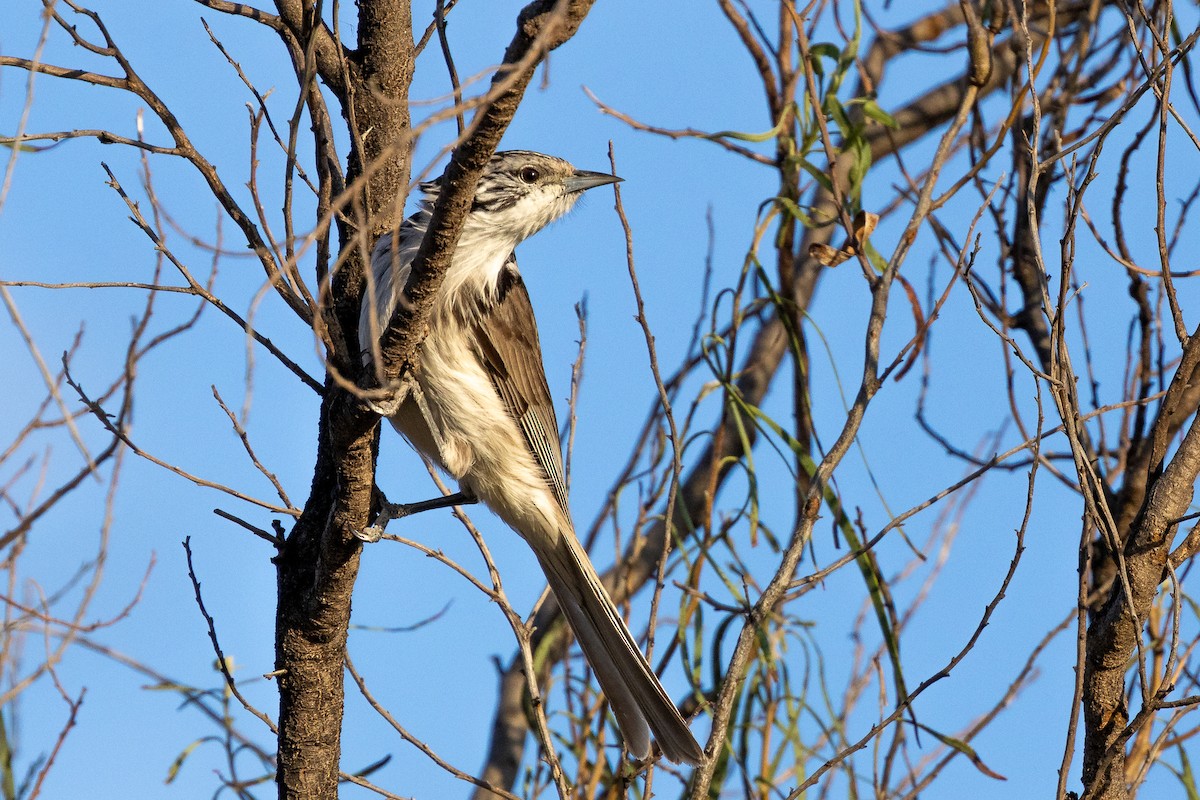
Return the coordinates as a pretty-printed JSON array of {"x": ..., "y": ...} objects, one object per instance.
[{"x": 530, "y": 174}]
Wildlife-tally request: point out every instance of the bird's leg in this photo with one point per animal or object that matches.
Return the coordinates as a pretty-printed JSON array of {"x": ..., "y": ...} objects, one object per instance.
[
  {"x": 418, "y": 395},
  {"x": 409, "y": 387},
  {"x": 391, "y": 511}
]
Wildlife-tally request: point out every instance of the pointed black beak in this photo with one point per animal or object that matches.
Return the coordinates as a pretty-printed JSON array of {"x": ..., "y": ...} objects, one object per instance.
[{"x": 583, "y": 180}]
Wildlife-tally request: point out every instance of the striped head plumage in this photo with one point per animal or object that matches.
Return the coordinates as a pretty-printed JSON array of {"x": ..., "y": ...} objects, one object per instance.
[{"x": 522, "y": 192}]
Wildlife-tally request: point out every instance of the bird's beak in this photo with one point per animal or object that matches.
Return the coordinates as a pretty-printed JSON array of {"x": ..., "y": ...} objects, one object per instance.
[{"x": 583, "y": 180}]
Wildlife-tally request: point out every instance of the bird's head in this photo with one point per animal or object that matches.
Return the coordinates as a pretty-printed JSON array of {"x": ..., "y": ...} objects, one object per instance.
[{"x": 522, "y": 192}]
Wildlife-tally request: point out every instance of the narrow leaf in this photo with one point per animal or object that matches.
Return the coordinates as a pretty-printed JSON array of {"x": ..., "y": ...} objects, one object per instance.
[{"x": 873, "y": 111}]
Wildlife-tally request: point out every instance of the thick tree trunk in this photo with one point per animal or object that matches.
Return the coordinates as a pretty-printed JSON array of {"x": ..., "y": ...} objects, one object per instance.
[
  {"x": 318, "y": 565},
  {"x": 316, "y": 573},
  {"x": 1113, "y": 632}
]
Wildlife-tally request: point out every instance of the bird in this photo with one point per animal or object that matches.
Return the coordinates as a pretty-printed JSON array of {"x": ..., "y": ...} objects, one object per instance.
[{"x": 479, "y": 407}]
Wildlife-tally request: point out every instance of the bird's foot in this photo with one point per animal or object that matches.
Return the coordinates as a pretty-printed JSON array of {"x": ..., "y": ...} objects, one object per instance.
[
  {"x": 369, "y": 535},
  {"x": 391, "y": 511},
  {"x": 388, "y": 406}
]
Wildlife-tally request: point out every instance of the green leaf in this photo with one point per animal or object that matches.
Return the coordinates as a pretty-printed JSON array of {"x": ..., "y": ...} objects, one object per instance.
[
  {"x": 965, "y": 749},
  {"x": 171, "y": 686},
  {"x": 835, "y": 111},
  {"x": 1187, "y": 777},
  {"x": 873, "y": 111},
  {"x": 817, "y": 174},
  {"x": 7, "y": 779},
  {"x": 792, "y": 208},
  {"x": 765, "y": 136},
  {"x": 861, "y": 151},
  {"x": 874, "y": 256},
  {"x": 819, "y": 51},
  {"x": 825, "y": 50},
  {"x": 11, "y": 144},
  {"x": 177, "y": 764}
]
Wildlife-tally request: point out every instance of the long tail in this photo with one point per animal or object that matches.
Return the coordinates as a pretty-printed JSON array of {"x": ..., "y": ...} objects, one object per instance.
[{"x": 634, "y": 693}]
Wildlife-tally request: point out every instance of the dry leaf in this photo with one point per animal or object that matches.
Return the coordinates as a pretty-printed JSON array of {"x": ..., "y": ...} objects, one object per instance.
[{"x": 827, "y": 256}]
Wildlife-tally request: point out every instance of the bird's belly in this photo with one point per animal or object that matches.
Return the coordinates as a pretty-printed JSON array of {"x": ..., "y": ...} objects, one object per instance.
[
  {"x": 481, "y": 445},
  {"x": 471, "y": 419}
]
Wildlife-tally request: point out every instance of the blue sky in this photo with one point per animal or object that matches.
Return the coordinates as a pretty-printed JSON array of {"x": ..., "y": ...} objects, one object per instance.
[{"x": 675, "y": 64}]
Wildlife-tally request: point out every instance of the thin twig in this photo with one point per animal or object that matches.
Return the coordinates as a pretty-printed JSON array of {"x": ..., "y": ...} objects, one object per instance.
[{"x": 222, "y": 664}]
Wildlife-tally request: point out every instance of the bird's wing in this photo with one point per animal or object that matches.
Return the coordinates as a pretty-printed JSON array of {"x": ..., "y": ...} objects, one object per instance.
[
  {"x": 391, "y": 260},
  {"x": 507, "y": 344}
]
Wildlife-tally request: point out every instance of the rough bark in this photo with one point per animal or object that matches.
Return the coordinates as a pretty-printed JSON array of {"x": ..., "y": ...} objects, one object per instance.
[
  {"x": 1113, "y": 632},
  {"x": 318, "y": 564}
]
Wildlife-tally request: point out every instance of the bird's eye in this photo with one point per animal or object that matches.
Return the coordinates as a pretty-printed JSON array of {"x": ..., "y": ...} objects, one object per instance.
[{"x": 530, "y": 174}]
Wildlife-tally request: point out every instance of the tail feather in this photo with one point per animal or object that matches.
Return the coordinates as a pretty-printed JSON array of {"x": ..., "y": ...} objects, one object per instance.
[
  {"x": 633, "y": 690},
  {"x": 625, "y": 706}
]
